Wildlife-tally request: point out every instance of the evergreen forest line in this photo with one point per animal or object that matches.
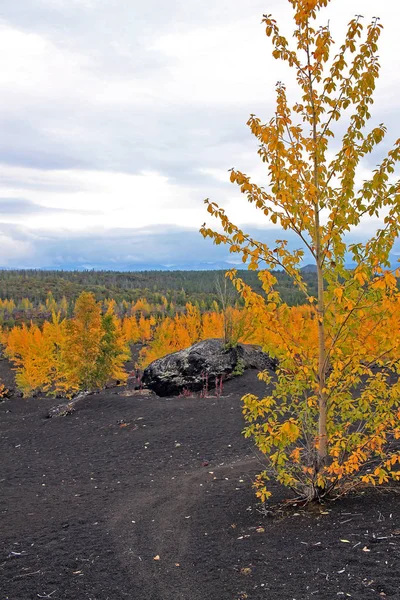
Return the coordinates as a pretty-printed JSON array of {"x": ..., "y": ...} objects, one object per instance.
[{"x": 29, "y": 295}]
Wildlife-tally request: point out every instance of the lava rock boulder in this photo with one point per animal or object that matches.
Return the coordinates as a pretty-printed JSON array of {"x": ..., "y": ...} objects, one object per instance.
[{"x": 199, "y": 366}]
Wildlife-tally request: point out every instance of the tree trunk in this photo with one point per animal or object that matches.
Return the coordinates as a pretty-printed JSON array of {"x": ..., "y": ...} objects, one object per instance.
[
  {"x": 319, "y": 258},
  {"x": 322, "y": 421}
]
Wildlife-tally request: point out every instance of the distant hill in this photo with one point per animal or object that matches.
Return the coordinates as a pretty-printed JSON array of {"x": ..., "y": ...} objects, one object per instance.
[{"x": 309, "y": 269}]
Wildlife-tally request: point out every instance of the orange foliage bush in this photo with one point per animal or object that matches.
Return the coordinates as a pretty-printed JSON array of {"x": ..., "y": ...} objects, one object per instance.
[
  {"x": 3, "y": 389},
  {"x": 185, "y": 329},
  {"x": 65, "y": 356}
]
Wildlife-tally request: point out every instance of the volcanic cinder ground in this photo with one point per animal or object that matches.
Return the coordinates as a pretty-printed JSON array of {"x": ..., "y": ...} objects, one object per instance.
[{"x": 145, "y": 498}]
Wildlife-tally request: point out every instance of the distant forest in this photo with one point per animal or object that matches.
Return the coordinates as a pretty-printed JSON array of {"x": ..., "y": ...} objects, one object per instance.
[{"x": 178, "y": 287}]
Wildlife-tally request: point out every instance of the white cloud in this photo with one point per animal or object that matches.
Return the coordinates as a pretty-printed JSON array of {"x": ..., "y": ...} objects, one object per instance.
[
  {"x": 13, "y": 250},
  {"x": 119, "y": 199},
  {"x": 138, "y": 110},
  {"x": 37, "y": 71}
]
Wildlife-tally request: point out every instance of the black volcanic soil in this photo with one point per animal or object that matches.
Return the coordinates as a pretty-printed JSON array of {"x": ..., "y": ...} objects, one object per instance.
[{"x": 89, "y": 501}]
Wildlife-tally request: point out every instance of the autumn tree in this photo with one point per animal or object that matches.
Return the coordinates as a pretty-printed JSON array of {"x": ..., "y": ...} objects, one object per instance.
[
  {"x": 113, "y": 350},
  {"x": 35, "y": 353},
  {"x": 54, "y": 334},
  {"x": 173, "y": 334},
  {"x": 332, "y": 419},
  {"x": 212, "y": 323},
  {"x": 144, "y": 327},
  {"x": 130, "y": 329},
  {"x": 96, "y": 345},
  {"x": 226, "y": 295},
  {"x": 84, "y": 339},
  {"x": 3, "y": 389}
]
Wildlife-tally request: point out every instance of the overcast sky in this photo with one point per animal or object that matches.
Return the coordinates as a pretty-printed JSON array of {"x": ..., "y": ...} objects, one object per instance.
[{"x": 118, "y": 117}]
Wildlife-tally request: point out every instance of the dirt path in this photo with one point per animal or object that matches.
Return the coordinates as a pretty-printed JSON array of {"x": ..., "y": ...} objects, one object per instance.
[{"x": 88, "y": 501}]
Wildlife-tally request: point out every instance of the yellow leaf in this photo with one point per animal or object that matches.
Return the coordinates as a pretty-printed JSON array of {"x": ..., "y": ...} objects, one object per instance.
[{"x": 339, "y": 293}]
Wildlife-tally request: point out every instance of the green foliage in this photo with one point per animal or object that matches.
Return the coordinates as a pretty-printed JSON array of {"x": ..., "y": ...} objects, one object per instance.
[
  {"x": 113, "y": 353},
  {"x": 239, "y": 368}
]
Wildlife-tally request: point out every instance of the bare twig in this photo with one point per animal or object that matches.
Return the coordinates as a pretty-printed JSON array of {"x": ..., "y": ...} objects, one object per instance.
[{"x": 28, "y": 574}]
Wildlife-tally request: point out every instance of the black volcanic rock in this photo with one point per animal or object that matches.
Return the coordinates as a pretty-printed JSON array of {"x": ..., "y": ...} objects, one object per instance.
[{"x": 204, "y": 361}]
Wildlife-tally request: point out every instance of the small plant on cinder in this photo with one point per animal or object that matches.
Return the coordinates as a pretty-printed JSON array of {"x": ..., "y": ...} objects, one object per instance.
[
  {"x": 239, "y": 368},
  {"x": 218, "y": 386},
  {"x": 204, "y": 391}
]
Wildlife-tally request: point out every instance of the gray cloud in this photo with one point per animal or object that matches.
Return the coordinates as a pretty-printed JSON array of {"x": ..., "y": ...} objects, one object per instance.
[
  {"x": 121, "y": 249},
  {"x": 127, "y": 249},
  {"x": 26, "y": 143},
  {"x": 173, "y": 141},
  {"x": 115, "y": 37},
  {"x": 86, "y": 19},
  {"x": 21, "y": 206}
]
